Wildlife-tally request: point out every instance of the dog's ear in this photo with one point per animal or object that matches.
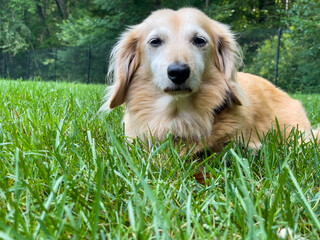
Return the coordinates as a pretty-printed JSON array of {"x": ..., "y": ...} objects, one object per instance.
[
  {"x": 124, "y": 61},
  {"x": 227, "y": 52},
  {"x": 228, "y": 58}
]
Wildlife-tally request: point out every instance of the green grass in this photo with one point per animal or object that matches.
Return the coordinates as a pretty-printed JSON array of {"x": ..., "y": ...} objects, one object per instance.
[{"x": 68, "y": 173}]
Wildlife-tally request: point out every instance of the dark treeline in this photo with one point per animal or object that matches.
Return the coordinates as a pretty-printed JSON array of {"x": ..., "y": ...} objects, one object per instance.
[{"x": 41, "y": 24}]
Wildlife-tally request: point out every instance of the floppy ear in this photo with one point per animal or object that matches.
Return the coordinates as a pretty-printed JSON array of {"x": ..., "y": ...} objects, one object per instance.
[
  {"x": 228, "y": 58},
  {"x": 124, "y": 61},
  {"x": 228, "y": 54}
]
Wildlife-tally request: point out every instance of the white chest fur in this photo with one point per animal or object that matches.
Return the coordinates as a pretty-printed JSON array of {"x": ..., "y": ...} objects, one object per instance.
[{"x": 175, "y": 114}]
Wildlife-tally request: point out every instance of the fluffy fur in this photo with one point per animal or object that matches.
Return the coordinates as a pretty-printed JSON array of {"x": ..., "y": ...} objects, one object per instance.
[{"x": 214, "y": 104}]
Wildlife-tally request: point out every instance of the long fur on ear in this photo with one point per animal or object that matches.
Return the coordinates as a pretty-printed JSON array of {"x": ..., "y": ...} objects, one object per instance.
[
  {"x": 124, "y": 61},
  {"x": 228, "y": 58},
  {"x": 228, "y": 52}
]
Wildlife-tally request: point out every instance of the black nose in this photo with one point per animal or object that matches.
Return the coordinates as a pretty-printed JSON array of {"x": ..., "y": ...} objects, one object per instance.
[{"x": 178, "y": 73}]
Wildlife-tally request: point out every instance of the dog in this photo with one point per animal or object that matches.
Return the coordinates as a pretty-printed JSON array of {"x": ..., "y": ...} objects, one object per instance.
[{"x": 177, "y": 72}]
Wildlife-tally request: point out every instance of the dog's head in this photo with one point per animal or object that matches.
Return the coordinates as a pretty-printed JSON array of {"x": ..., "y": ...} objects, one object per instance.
[{"x": 176, "y": 48}]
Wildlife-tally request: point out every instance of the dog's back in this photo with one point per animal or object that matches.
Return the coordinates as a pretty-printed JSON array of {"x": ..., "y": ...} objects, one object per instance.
[
  {"x": 267, "y": 100},
  {"x": 268, "y": 103}
]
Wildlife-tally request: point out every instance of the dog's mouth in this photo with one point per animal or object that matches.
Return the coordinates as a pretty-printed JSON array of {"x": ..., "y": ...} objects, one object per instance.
[{"x": 178, "y": 90}]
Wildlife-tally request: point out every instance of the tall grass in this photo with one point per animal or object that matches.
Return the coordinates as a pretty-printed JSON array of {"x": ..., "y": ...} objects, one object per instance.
[{"x": 68, "y": 173}]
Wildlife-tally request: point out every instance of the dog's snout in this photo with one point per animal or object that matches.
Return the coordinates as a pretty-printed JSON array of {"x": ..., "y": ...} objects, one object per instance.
[{"x": 178, "y": 73}]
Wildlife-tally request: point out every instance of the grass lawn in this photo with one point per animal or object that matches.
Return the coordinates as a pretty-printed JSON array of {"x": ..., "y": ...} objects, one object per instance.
[{"x": 67, "y": 173}]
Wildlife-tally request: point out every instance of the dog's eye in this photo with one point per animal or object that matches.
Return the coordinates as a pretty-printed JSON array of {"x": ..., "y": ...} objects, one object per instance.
[
  {"x": 199, "y": 41},
  {"x": 155, "y": 42}
]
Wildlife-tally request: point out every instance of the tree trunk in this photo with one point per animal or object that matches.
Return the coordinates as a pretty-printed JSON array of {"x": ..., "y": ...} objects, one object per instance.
[
  {"x": 63, "y": 8},
  {"x": 45, "y": 32},
  {"x": 157, "y": 3}
]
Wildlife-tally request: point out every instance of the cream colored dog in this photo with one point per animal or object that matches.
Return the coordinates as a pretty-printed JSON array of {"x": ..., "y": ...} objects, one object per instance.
[{"x": 177, "y": 72}]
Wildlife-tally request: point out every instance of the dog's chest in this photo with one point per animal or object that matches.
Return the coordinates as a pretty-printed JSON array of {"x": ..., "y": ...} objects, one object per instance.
[{"x": 168, "y": 114}]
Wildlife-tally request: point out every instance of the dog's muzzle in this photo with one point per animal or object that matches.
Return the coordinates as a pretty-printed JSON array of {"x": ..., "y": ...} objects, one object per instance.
[{"x": 178, "y": 73}]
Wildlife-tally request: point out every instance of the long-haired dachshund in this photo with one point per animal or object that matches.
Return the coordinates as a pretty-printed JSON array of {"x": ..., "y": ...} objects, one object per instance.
[{"x": 177, "y": 72}]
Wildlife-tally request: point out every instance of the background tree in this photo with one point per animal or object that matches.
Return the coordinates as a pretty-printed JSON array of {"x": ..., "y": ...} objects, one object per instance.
[
  {"x": 15, "y": 34},
  {"x": 43, "y": 23},
  {"x": 300, "y": 50},
  {"x": 103, "y": 20}
]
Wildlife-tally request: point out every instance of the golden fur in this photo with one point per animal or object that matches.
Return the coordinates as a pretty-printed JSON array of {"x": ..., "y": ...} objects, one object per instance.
[{"x": 246, "y": 104}]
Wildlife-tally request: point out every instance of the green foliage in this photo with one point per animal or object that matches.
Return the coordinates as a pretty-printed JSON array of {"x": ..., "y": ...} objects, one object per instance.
[
  {"x": 31, "y": 24},
  {"x": 304, "y": 21},
  {"x": 299, "y": 54},
  {"x": 66, "y": 172},
  {"x": 105, "y": 20},
  {"x": 84, "y": 31},
  {"x": 263, "y": 63},
  {"x": 14, "y": 32},
  {"x": 246, "y": 14},
  {"x": 103, "y": 23}
]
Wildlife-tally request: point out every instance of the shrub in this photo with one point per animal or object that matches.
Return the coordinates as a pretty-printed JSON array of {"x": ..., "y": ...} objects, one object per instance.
[{"x": 299, "y": 53}]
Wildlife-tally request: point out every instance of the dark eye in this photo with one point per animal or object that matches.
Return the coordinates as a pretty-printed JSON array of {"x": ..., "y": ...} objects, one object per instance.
[
  {"x": 155, "y": 42},
  {"x": 199, "y": 41}
]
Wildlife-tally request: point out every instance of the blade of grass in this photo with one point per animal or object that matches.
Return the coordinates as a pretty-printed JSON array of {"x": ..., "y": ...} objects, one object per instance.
[{"x": 304, "y": 200}]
